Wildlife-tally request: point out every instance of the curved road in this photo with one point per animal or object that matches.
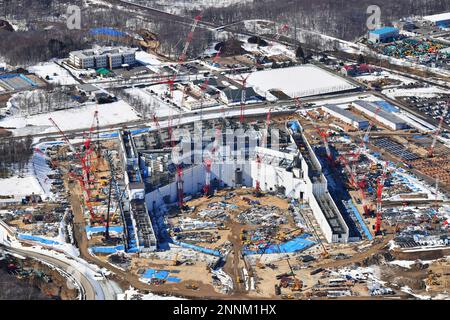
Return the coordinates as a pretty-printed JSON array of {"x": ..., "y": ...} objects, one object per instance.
[
  {"x": 87, "y": 291},
  {"x": 90, "y": 288}
]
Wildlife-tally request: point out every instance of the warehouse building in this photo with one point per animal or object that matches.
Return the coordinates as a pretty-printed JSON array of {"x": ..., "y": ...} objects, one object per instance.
[
  {"x": 382, "y": 35},
  {"x": 103, "y": 58},
  {"x": 346, "y": 116},
  {"x": 386, "y": 118},
  {"x": 440, "y": 20}
]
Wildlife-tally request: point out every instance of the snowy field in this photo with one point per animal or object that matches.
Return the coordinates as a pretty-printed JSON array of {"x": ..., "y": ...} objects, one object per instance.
[
  {"x": 428, "y": 92},
  {"x": 156, "y": 101},
  {"x": 56, "y": 74},
  {"x": 271, "y": 50},
  {"x": 299, "y": 81},
  {"x": 20, "y": 187},
  {"x": 72, "y": 119},
  {"x": 133, "y": 294},
  {"x": 385, "y": 75},
  {"x": 148, "y": 60}
]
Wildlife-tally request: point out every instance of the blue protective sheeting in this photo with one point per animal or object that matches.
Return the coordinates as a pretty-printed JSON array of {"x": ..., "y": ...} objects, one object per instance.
[
  {"x": 37, "y": 239},
  {"x": 108, "y": 249},
  {"x": 386, "y": 106},
  {"x": 18, "y": 75},
  {"x": 159, "y": 274},
  {"x": 109, "y": 135},
  {"x": 198, "y": 248},
  {"x": 297, "y": 244},
  {"x": 32, "y": 83},
  {"x": 384, "y": 30},
  {"x": 360, "y": 220},
  {"x": 118, "y": 229},
  {"x": 107, "y": 32},
  {"x": 152, "y": 273},
  {"x": 139, "y": 131},
  {"x": 294, "y": 125},
  {"x": 173, "y": 279}
]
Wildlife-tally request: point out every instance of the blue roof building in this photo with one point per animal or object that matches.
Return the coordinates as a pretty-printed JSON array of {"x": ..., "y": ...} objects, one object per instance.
[{"x": 384, "y": 34}]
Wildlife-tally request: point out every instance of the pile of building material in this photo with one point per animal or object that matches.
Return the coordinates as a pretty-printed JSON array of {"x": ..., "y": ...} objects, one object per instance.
[
  {"x": 194, "y": 224},
  {"x": 263, "y": 215}
]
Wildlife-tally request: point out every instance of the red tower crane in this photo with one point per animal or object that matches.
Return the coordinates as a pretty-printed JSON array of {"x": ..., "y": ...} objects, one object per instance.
[
  {"x": 243, "y": 97},
  {"x": 258, "y": 175},
  {"x": 324, "y": 135},
  {"x": 84, "y": 180},
  {"x": 182, "y": 58},
  {"x": 207, "y": 187}
]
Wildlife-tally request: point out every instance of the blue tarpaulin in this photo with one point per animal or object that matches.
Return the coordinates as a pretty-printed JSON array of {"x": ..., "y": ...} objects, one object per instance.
[
  {"x": 173, "y": 279},
  {"x": 294, "y": 125},
  {"x": 386, "y": 106},
  {"x": 198, "y": 248},
  {"x": 159, "y": 274},
  {"x": 118, "y": 229},
  {"x": 108, "y": 249},
  {"x": 152, "y": 273},
  {"x": 360, "y": 220},
  {"x": 37, "y": 239},
  {"x": 107, "y": 32},
  {"x": 297, "y": 244}
]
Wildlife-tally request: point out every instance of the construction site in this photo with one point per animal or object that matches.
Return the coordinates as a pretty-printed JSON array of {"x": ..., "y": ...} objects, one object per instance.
[
  {"x": 223, "y": 178},
  {"x": 273, "y": 213}
]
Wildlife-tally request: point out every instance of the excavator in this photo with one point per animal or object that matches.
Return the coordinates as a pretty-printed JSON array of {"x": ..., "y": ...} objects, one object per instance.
[{"x": 297, "y": 285}]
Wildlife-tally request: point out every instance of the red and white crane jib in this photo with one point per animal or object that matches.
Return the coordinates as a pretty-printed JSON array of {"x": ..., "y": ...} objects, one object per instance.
[{"x": 182, "y": 58}]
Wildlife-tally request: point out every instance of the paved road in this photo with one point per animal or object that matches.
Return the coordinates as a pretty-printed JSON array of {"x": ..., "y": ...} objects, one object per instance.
[
  {"x": 90, "y": 288},
  {"x": 84, "y": 283},
  {"x": 189, "y": 117}
]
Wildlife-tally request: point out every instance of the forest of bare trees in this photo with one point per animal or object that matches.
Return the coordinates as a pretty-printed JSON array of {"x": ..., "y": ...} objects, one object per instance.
[
  {"x": 41, "y": 101},
  {"x": 344, "y": 19},
  {"x": 14, "y": 156},
  {"x": 36, "y": 45},
  {"x": 331, "y": 17}
]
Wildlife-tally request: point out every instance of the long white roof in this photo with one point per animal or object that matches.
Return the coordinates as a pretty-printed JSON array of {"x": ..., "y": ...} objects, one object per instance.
[{"x": 438, "y": 17}]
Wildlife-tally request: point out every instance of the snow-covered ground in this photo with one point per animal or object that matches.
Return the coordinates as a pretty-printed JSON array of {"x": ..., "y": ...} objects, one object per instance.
[
  {"x": 72, "y": 119},
  {"x": 155, "y": 102},
  {"x": 150, "y": 61},
  {"x": 56, "y": 74},
  {"x": 20, "y": 187},
  {"x": 133, "y": 294},
  {"x": 299, "y": 81},
  {"x": 272, "y": 49},
  {"x": 428, "y": 92},
  {"x": 385, "y": 75}
]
